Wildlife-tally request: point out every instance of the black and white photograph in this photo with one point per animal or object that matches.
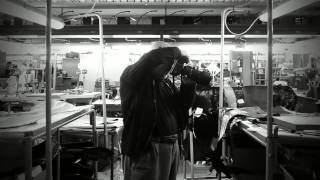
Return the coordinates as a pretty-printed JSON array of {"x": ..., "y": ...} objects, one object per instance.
[{"x": 159, "y": 89}]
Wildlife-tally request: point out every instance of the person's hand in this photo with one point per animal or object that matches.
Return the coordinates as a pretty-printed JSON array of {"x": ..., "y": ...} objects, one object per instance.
[
  {"x": 164, "y": 58},
  {"x": 187, "y": 80},
  {"x": 179, "y": 66}
]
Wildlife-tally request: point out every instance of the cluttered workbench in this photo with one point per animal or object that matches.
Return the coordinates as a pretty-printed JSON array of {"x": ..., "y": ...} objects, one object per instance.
[
  {"x": 80, "y": 129},
  {"x": 296, "y": 135},
  {"x": 113, "y": 107},
  {"x": 20, "y": 132},
  {"x": 75, "y": 98},
  {"x": 259, "y": 133}
]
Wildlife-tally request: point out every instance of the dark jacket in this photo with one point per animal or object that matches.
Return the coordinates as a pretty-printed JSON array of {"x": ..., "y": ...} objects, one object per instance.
[{"x": 139, "y": 98}]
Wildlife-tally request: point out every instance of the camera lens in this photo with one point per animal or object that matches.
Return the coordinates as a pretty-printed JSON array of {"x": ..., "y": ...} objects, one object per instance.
[{"x": 200, "y": 77}]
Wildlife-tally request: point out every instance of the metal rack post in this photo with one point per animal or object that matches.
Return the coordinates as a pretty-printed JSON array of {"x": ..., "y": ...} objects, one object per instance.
[
  {"x": 54, "y": 78},
  {"x": 221, "y": 62},
  {"x": 48, "y": 86},
  {"x": 270, "y": 138},
  {"x": 191, "y": 149},
  {"x": 103, "y": 93},
  {"x": 223, "y": 13},
  {"x": 48, "y": 94}
]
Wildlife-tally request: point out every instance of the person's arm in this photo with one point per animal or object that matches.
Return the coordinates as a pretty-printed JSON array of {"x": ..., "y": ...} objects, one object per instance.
[
  {"x": 143, "y": 68},
  {"x": 187, "y": 92},
  {"x": 185, "y": 98}
]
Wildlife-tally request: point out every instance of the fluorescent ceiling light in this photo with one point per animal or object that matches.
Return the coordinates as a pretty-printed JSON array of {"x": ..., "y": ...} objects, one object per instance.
[
  {"x": 24, "y": 11},
  {"x": 136, "y": 36},
  {"x": 198, "y": 36},
  {"x": 133, "y": 19},
  {"x": 286, "y": 8},
  {"x": 195, "y": 36}
]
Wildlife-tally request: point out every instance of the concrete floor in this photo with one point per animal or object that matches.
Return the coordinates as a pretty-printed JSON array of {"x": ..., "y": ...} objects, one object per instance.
[{"x": 200, "y": 172}]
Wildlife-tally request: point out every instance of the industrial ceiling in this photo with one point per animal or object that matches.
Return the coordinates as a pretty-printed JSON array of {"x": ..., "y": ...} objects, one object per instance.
[
  {"x": 181, "y": 17},
  {"x": 159, "y": 7}
]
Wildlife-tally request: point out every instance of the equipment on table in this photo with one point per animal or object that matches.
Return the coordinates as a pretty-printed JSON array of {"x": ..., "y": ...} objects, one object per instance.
[{"x": 257, "y": 96}]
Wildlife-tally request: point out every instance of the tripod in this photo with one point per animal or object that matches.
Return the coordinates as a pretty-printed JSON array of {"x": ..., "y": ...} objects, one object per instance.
[{"x": 191, "y": 134}]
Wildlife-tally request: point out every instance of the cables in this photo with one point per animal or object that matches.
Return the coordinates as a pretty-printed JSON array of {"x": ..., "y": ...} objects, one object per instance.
[
  {"x": 91, "y": 9},
  {"x": 227, "y": 27}
]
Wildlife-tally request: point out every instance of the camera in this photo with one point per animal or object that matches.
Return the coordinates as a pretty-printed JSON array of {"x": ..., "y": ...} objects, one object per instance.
[{"x": 201, "y": 77}]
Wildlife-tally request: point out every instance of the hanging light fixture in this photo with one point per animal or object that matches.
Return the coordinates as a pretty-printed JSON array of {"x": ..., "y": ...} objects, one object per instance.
[
  {"x": 179, "y": 11},
  {"x": 118, "y": 13},
  {"x": 198, "y": 17},
  {"x": 24, "y": 11},
  {"x": 116, "y": 16},
  {"x": 140, "y": 17}
]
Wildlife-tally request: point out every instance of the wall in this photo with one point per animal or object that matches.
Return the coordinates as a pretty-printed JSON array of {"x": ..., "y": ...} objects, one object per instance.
[
  {"x": 116, "y": 58},
  {"x": 117, "y": 55}
]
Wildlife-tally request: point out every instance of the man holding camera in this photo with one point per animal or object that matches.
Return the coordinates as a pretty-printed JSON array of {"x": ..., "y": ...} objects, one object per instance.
[{"x": 155, "y": 112}]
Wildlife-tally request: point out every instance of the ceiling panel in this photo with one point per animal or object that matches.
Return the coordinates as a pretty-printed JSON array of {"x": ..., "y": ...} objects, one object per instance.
[{"x": 109, "y": 9}]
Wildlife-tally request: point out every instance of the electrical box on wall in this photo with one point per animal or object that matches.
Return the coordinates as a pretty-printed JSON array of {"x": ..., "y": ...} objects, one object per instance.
[
  {"x": 241, "y": 63},
  {"x": 70, "y": 66},
  {"x": 300, "y": 60}
]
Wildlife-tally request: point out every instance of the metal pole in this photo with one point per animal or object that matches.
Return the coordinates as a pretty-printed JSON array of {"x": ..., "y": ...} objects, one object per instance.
[
  {"x": 103, "y": 93},
  {"x": 58, "y": 158},
  {"x": 27, "y": 150},
  {"x": 221, "y": 81},
  {"x": 221, "y": 63},
  {"x": 269, "y": 151},
  {"x": 221, "y": 76},
  {"x": 54, "y": 78},
  {"x": 104, "y": 110},
  {"x": 191, "y": 154},
  {"x": 48, "y": 95},
  {"x": 165, "y": 14},
  {"x": 191, "y": 148}
]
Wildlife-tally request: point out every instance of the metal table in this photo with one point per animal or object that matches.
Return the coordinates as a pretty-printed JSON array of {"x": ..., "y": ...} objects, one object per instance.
[
  {"x": 30, "y": 133},
  {"x": 84, "y": 98},
  {"x": 80, "y": 126}
]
